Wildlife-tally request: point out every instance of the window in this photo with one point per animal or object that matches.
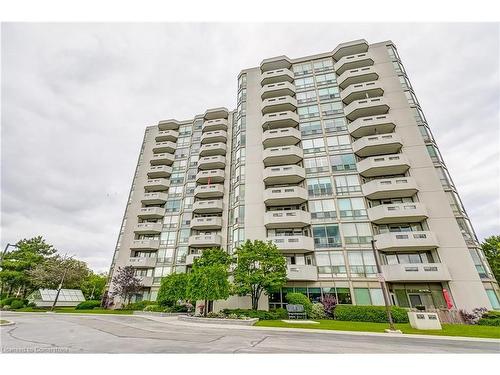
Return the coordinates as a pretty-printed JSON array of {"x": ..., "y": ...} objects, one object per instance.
[
  {"x": 326, "y": 236},
  {"x": 180, "y": 256},
  {"x": 357, "y": 234},
  {"x": 347, "y": 184},
  {"x": 334, "y": 125},
  {"x": 171, "y": 222},
  {"x": 177, "y": 178},
  {"x": 329, "y": 93},
  {"x": 314, "y": 145},
  {"x": 404, "y": 82},
  {"x": 362, "y": 264},
  {"x": 308, "y": 112},
  {"x": 309, "y": 128},
  {"x": 330, "y": 109},
  {"x": 168, "y": 238},
  {"x": 302, "y": 69},
  {"x": 352, "y": 208},
  {"x": 425, "y": 133},
  {"x": 434, "y": 153},
  {"x": 344, "y": 162},
  {"x": 165, "y": 255},
  {"x": 365, "y": 296},
  {"x": 316, "y": 165},
  {"x": 304, "y": 83},
  {"x": 188, "y": 203},
  {"x": 444, "y": 178},
  {"x": 189, "y": 188},
  {"x": 323, "y": 65},
  {"x": 493, "y": 299},
  {"x": 173, "y": 205},
  {"x": 242, "y": 95},
  {"x": 183, "y": 142},
  {"x": 306, "y": 97},
  {"x": 326, "y": 79},
  {"x": 198, "y": 124},
  {"x": 455, "y": 203},
  {"x": 478, "y": 263},
  {"x": 321, "y": 186},
  {"x": 184, "y": 236},
  {"x": 339, "y": 143},
  {"x": 410, "y": 96},
  {"x": 331, "y": 263},
  {"x": 181, "y": 153},
  {"x": 185, "y": 130},
  {"x": 322, "y": 209},
  {"x": 162, "y": 271}
]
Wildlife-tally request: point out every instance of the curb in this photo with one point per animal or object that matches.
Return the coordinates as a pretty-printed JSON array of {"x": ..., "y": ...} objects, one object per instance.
[
  {"x": 221, "y": 322},
  {"x": 7, "y": 324}
]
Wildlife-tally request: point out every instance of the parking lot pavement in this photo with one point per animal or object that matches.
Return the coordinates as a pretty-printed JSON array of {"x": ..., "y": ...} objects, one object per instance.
[{"x": 66, "y": 333}]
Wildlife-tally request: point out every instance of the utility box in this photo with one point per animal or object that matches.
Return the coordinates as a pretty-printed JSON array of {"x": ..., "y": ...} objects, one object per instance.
[{"x": 424, "y": 320}]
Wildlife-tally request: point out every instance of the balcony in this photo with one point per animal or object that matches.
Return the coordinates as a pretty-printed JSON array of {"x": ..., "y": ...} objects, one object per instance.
[
  {"x": 350, "y": 48},
  {"x": 282, "y": 155},
  {"x": 212, "y": 176},
  {"x": 211, "y": 149},
  {"x": 154, "y": 198},
  {"x": 359, "y": 75},
  {"x": 277, "y": 89},
  {"x": 205, "y": 240},
  {"x": 216, "y": 113},
  {"x": 190, "y": 259},
  {"x": 384, "y": 188},
  {"x": 142, "y": 262},
  {"x": 146, "y": 281},
  {"x": 148, "y": 228},
  {"x": 209, "y": 191},
  {"x": 356, "y": 61},
  {"x": 217, "y": 124},
  {"x": 277, "y": 75},
  {"x": 146, "y": 244},
  {"x": 208, "y": 207},
  {"x": 167, "y": 135},
  {"x": 274, "y": 63},
  {"x": 279, "y": 104},
  {"x": 281, "y": 137},
  {"x": 383, "y": 165},
  {"x": 420, "y": 272},
  {"x": 361, "y": 91},
  {"x": 406, "y": 241},
  {"x": 372, "y": 125},
  {"x": 165, "y": 146},
  {"x": 151, "y": 213},
  {"x": 157, "y": 184},
  {"x": 212, "y": 162},
  {"x": 169, "y": 125},
  {"x": 159, "y": 171},
  {"x": 162, "y": 159},
  {"x": 398, "y": 213},
  {"x": 286, "y": 174},
  {"x": 287, "y": 219},
  {"x": 206, "y": 223},
  {"x": 366, "y": 107},
  {"x": 382, "y": 144},
  {"x": 214, "y": 137},
  {"x": 280, "y": 120},
  {"x": 284, "y": 196},
  {"x": 301, "y": 272},
  {"x": 293, "y": 244}
]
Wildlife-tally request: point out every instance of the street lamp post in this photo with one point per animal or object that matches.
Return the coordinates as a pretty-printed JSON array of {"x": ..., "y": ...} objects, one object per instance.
[
  {"x": 5, "y": 251},
  {"x": 383, "y": 285},
  {"x": 60, "y": 285}
]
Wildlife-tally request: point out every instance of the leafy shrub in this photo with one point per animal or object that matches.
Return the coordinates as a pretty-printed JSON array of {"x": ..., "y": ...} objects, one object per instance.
[
  {"x": 213, "y": 315},
  {"x": 375, "y": 314},
  {"x": 232, "y": 316},
  {"x": 474, "y": 316},
  {"x": 490, "y": 318},
  {"x": 317, "y": 311},
  {"x": 88, "y": 305},
  {"x": 6, "y": 307},
  {"x": 300, "y": 299},
  {"x": 155, "y": 308},
  {"x": 17, "y": 304},
  {"x": 180, "y": 308},
  {"x": 138, "y": 305},
  {"x": 261, "y": 314},
  {"x": 31, "y": 304},
  {"x": 329, "y": 303},
  {"x": 7, "y": 301}
]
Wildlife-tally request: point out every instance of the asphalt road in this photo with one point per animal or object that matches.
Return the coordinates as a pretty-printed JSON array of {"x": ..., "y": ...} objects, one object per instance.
[{"x": 57, "y": 333}]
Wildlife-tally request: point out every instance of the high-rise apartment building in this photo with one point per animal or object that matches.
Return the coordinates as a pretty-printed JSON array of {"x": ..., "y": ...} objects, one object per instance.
[{"x": 323, "y": 154}]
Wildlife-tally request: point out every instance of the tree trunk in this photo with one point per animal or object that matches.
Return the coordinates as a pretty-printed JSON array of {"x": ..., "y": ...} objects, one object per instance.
[{"x": 205, "y": 309}]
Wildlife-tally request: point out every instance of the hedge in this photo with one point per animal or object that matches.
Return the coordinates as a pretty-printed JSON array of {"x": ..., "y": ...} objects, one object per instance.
[
  {"x": 490, "y": 318},
  {"x": 138, "y": 305},
  {"x": 276, "y": 314},
  {"x": 88, "y": 305},
  {"x": 17, "y": 304},
  {"x": 374, "y": 314},
  {"x": 300, "y": 299},
  {"x": 7, "y": 301}
]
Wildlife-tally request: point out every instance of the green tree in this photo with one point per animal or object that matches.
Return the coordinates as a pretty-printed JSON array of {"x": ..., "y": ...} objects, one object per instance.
[
  {"x": 93, "y": 285},
  {"x": 50, "y": 273},
  {"x": 125, "y": 284},
  {"x": 173, "y": 288},
  {"x": 208, "y": 280},
  {"x": 491, "y": 250},
  {"x": 260, "y": 267},
  {"x": 14, "y": 275}
]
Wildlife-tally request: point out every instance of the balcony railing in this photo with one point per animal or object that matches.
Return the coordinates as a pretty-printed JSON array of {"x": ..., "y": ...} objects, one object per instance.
[
  {"x": 162, "y": 159},
  {"x": 208, "y": 206},
  {"x": 151, "y": 212},
  {"x": 281, "y": 196},
  {"x": 277, "y": 89},
  {"x": 209, "y": 191},
  {"x": 293, "y": 244},
  {"x": 302, "y": 272},
  {"x": 211, "y": 175},
  {"x": 287, "y": 219},
  {"x": 146, "y": 244},
  {"x": 164, "y": 147},
  {"x": 361, "y": 91},
  {"x": 157, "y": 184},
  {"x": 159, "y": 171},
  {"x": 358, "y": 60},
  {"x": 372, "y": 125},
  {"x": 282, "y": 155},
  {"x": 383, "y": 165},
  {"x": 281, "y": 137},
  {"x": 377, "y": 145},
  {"x": 398, "y": 187},
  {"x": 359, "y": 75},
  {"x": 214, "y": 136},
  {"x": 142, "y": 262},
  {"x": 169, "y": 125},
  {"x": 211, "y": 149},
  {"x": 217, "y": 124},
  {"x": 284, "y": 174},
  {"x": 212, "y": 162},
  {"x": 206, "y": 223},
  {"x": 422, "y": 272},
  {"x": 366, "y": 107},
  {"x": 148, "y": 228},
  {"x": 205, "y": 240},
  {"x": 277, "y": 75},
  {"x": 410, "y": 212},
  {"x": 154, "y": 198},
  {"x": 279, "y": 104},
  {"x": 167, "y": 135},
  {"x": 404, "y": 241}
]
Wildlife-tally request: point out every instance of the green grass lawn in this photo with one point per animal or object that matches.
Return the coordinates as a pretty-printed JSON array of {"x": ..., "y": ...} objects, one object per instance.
[
  {"x": 71, "y": 310},
  {"x": 3, "y": 321},
  {"x": 448, "y": 329}
]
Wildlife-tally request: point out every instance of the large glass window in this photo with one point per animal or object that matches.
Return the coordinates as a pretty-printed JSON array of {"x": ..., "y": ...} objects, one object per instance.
[
  {"x": 493, "y": 299},
  {"x": 326, "y": 79},
  {"x": 171, "y": 221},
  {"x": 365, "y": 296},
  {"x": 335, "y": 125},
  {"x": 304, "y": 83},
  {"x": 330, "y": 263},
  {"x": 352, "y": 208},
  {"x": 309, "y": 128},
  {"x": 444, "y": 177},
  {"x": 323, "y": 65},
  {"x": 328, "y": 93},
  {"x": 339, "y": 143},
  {"x": 308, "y": 112},
  {"x": 168, "y": 238},
  {"x": 326, "y": 236},
  {"x": 313, "y": 145},
  {"x": 316, "y": 165},
  {"x": 173, "y": 205},
  {"x": 322, "y": 209},
  {"x": 344, "y": 162},
  {"x": 306, "y": 97},
  {"x": 347, "y": 184},
  {"x": 320, "y": 186},
  {"x": 330, "y": 109},
  {"x": 362, "y": 264},
  {"x": 302, "y": 69},
  {"x": 357, "y": 234}
]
